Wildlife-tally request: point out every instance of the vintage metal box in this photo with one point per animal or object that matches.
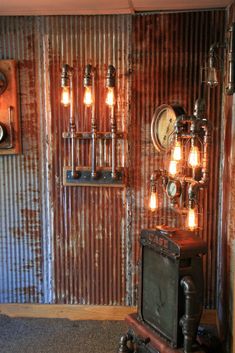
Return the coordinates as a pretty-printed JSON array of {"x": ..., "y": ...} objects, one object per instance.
[{"x": 167, "y": 256}]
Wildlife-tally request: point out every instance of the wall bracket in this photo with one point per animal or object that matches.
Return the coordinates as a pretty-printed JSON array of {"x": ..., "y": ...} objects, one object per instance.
[{"x": 84, "y": 177}]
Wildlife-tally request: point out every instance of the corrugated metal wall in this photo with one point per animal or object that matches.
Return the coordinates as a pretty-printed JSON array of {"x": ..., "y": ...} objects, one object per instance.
[
  {"x": 20, "y": 230},
  {"x": 89, "y": 223},
  {"x": 168, "y": 51},
  {"x": 84, "y": 240}
]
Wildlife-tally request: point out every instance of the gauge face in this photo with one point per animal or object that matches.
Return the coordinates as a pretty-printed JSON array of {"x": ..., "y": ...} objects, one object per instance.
[
  {"x": 3, "y": 133},
  {"x": 162, "y": 126},
  {"x": 173, "y": 188},
  {"x": 3, "y": 82}
]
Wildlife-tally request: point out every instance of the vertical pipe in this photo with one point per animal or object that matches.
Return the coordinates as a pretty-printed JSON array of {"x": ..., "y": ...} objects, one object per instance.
[
  {"x": 206, "y": 150},
  {"x": 193, "y": 310},
  {"x": 93, "y": 131},
  {"x": 72, "y": 128},
  {"x": 230, "y": 89},
  {"x": 114, "y": 141},
  {"x": 110, "y": 84}
]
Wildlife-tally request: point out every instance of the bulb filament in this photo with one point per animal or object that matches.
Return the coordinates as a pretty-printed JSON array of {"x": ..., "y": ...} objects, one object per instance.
[
  {"x": 110, "y": 97},
  {"x": 88, "y": 99},
  {"x": 193, "y": 158},
  {"x": 153, "y": 201},
  {"x": 192, "y": 219},
  {"x": 65, "y": 98},
  {"x": 177, "y": 152},
  {"x": 173, "y": 167}
]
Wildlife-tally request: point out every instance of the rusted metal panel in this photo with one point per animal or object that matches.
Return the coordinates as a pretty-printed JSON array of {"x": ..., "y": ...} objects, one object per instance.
[
  {"x": 85, "y": 240},
  {"x": 20, "y": 231},
  {"x": 168, "y": 51},
  {"x": 89, "y": 223}
]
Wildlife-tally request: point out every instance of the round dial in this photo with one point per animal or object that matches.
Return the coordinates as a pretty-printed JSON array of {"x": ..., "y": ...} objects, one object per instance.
[
  {"x": 3, "y": 132},
  {"x": 3, "y": 82},
  {"x": 162, "y": 126},
  {"x": 173, "y": 188}
]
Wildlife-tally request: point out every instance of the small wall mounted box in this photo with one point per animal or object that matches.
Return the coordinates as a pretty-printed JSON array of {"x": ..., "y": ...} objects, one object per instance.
[{"x": 10, "y": 137}]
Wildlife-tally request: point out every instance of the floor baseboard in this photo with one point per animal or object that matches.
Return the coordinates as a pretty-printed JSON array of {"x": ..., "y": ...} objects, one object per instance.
[{"x": 82, "y": 312}]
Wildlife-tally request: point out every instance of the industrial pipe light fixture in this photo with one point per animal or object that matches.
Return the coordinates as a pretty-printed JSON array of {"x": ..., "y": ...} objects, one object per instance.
[
  {"x": 89, "y": 101},
  {"x": 211, "y": 70},
  {"x": 110, "y": 101},
  {"x": 91, "y": 175},
  {"x": 210, "y": 73},
  {"x": 67, "y": 100},
  {"x": 187, "y": 142}
]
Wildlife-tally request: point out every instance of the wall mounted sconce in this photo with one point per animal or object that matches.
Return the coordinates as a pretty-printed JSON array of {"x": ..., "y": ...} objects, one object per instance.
[
  {"x": 9, "y": 119},
  {"x": 187, "y": 142},
  {"x": 91, "y": 175},
  {"x": 210, "y": 73}
]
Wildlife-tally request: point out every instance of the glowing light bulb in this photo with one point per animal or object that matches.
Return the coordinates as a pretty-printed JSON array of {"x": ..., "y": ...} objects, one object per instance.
[
  {"x": 173, "y": 167},
  {"x": 177, "y": 151},
  {"x": 193, "y": 158},
  {"x": 65, "y": 97},
  {"x": 192, "y": 224},
  {"x": 153, "y": 201},
  {"x": 110, "y": 97},
  {"x": 88, "y": 99}
]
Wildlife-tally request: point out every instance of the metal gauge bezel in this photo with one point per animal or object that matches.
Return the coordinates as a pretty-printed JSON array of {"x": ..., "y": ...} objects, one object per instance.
[
  {"x": 3, "y": 82},
  {"x": 178, "y": 189},
  {"x": 3, "y": 133},
  {"x": 156, "y": 129}
]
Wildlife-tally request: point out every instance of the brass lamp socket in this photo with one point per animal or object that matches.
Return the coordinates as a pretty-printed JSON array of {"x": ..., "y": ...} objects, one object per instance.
[
  {"x": 192, "y": 191},
  {"x": 87, "y": 81},
  {"x": 153, "y": 181},
  {"x": 153, "y": 188},
  {"x": 65, "y": 75},
  {"x": 111, "y": 76}
]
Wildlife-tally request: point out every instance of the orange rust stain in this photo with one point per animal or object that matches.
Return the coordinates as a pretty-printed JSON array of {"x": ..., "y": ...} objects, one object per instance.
[
  {"x": 28, "y": 266},
  {"x": 29, "y": 226},
  {"x": 16, "y": 232},
  {"x": 31, "y": 291},
  {"x": 29, "y": 214}
]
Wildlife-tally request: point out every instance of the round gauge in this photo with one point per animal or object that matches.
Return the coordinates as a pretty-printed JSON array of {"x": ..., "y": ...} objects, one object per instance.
[
  {"x": 173, "y": 188},
  {"x": 3, "y": 82},
  {"x": 3, "y": 132},
  {"x": 162, "y": 126}
]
